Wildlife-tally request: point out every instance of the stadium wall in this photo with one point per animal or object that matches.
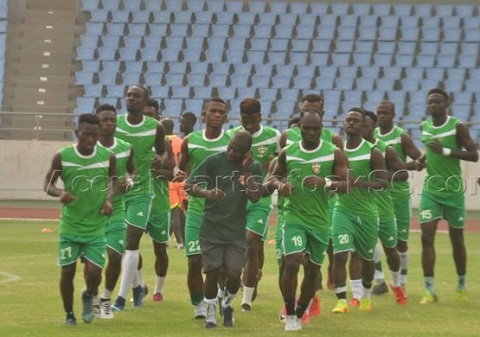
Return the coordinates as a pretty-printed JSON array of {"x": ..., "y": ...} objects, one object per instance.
[{"x": 25, "y": 163}]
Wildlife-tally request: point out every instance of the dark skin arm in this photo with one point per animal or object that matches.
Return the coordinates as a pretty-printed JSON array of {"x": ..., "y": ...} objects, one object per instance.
[
  {"x": 107, "y": 207},
  {"x": 337, "y": 140},
  {"x": 165, "y": 171},
  {"x": 160, "y": 140},
  {"x": 396, "y": 167},
  {"x": 283, "y": 140},
  {"x": 265, "y": 191},
  {"x": 123, "y": 184},
  {"x": 465, "y": 141},
  {"x": 252, "y": 189},
  {"x": 379, "y": 171},
  {"x": 51, "y": 179},
  {"x": 183, "y": 160},
  {"x": 276, "y": 181},
  {"x": 412, "y": 151}
]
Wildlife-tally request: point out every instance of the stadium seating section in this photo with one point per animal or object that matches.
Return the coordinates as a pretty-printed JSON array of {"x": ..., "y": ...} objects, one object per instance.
[{"x": 354, "y": 54}]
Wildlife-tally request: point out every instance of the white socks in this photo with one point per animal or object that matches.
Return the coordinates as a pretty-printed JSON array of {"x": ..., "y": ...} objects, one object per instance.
[{"x": 129, "y": 269}]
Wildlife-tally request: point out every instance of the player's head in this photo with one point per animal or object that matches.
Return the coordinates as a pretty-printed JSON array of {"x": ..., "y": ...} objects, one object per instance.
[
  {"x": 107, "y": 115},
  {"x": 250, "y": 114},
  {"x": 294, "y": 122},
  {"x": 239, "y": 145},
  {"x": 152, "y": 109},
  {"x": 167, "y": 125},
  {"x": 437, "y": 101},
  {"x": 137, "y": 99},
  {"x": 187, "y": 122},
  {"x": 311, "y": 127},
  {"x": 385, "y": 114},
  {"x": 87, "y": 132},
  {"x": 215, "y": 112},
  {"x": 354, "y": 120},
  {"x": 312, "y": 101},
  {"x": 369, "y": 124}
]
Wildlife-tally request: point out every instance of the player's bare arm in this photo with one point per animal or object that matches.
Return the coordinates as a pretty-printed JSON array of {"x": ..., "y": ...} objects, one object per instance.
[
  {"x": 179, "y": 171},
  {"x": 396, "y": 167},
  {"x": 378, "y": 171},
  {"x": 51, "y": 180},
  {"x": 412, "y": 151},
  {"x": 252, "y": 189},
  {"x": 107, "y": 207},
  {"x": 163, "y": 166},
  {"x": 276, "y": 180}
]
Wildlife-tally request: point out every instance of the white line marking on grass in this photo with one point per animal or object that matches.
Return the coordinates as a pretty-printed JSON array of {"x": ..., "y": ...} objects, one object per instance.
[{"x": 9, "y": 277}]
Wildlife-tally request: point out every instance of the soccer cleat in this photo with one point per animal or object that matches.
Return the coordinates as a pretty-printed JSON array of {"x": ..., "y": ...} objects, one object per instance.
[
  {"x": 399, "y": 294},
  {"x": 210, "y": 325},
  {"x": 105, "y": 309},
  {"x": 88, "y": 312},
  {"x": 70, "y": 320},
  {"x": 157, "y": 297},
  {"x": 119, "y": 304},
  {"x": 200, "y": 310},
  {"x": 292, "y": 323},
  {"x": 380, "y": 289},
  {"x": 365, "y": 304},
  {"x": 137, "y": 296},
  {"x": 341, "y": 307},
  {"x": 283, "y": 314},
  {"x": 96, "y": 310},
  {"x": 228, "y": 317},
  {"x": 246, "y": 307},
  {"x": 315, "y": 308},
  {"x": 461, "y": 295},
  {"x": 429, "y": 298},
  {"x": 354, "y": 302}
]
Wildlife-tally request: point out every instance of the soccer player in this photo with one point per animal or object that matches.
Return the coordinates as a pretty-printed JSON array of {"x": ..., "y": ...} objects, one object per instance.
[
  {"x": 355, "y": 216},
  {"x": 387, "y": 230},
  {"x": 264, "y": 148},
  {"x": 89, "y": 178},
  {"x": 226, "y": 180},
  {"x": 116, "y": 227},
  {"x": 404, "y": 146},
  {"x": 306, "y": 165},
  {"x": 176, "y": 188},
  {"x": 152, "y": 109},
  {"x": 196, "y": 147},
  {"x": 144, "y": 133},
  {"x": 447, "y": 142},
  {"x": 187, "y": 123}
]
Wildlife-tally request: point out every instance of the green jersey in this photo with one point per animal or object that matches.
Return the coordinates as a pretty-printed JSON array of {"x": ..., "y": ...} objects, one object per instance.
[
  {"x": 360, "y": 201},
  {"x": 294, "y": 135},
  {"x": 444, "y": 174},
  {"x": 264, "y": 149},
  {"x": 87, "y": 178},
  {"x": 199, "y": 149},
  {"x": 384, "y": 199},
  {"x": 161, "y": 198},
  {"x": 393, "y": 138},
  {"x": 308, "y": 206},
  {"x": 142, "y": 137},
  {"x": 224, "y": 219},
  {"x": 122, "y": 151}
]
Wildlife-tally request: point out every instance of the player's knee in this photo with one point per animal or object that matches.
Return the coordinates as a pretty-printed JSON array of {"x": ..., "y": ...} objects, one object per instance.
[
  {"x": 292, "y": 266},
  {"x": 428, "y": 239},
  {"x": 195, "y": 263},
  {"x": 68, "y": 272}
]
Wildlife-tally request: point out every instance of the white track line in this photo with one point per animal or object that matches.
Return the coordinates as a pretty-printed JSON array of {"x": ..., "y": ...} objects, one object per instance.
[{"x": 9, "y": 277}]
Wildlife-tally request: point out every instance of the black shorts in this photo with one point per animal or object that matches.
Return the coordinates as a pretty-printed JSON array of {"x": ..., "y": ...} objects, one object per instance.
[{"x": 218, "y": 253}]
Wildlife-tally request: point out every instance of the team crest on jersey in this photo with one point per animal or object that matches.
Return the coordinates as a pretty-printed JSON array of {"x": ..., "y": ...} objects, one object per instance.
[
  {"x": 316, "y": 168},
  {"x": 261, "y": 151}
]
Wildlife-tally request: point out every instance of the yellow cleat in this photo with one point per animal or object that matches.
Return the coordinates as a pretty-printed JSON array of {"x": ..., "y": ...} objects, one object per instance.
[
  {"x": 462, "y": 295},
  {"x": 365, "y": 304},
  {"x": 341, "y": 307},
  {"x": 429, "y": 298}
]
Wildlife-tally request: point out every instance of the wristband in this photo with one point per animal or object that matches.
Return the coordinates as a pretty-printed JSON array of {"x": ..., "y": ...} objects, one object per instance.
[
  {"x": 328, "y": 182},
  {"x": 446, "y": 152},
  {"x": 130, "y": 183}
]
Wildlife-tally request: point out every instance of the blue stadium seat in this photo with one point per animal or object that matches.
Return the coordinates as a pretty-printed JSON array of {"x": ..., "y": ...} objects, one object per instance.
[
  {"x": 424, "y": 10},
  {"x": 244, "y": 31},
  {"x": 99, "y": 15},
  {"x": 446, "y": 61},
  {"x": 93, "y": 90},
  {"x": 448, "y": 48},
  {"x": 382, "y": 60},
  {"x": 278, "y": 7},
  {"x": 117, "y": 91},
  {"x": 298, "y": 58},
  {"x": 319, "y": 59},
  {"x": 349, "y": 72},
  {"x": 159, "y": 91},
  {"x": 386, "y": 47},
  {"x": 452, "y": 22},
  {"x": 246, "y": 92},
  {"x": 344, "y": 83},
  {"x": 341, "y": 60},
  {"x": 221, "y": 68},
  {"x": 143, "y": 17},
  {"x": 266, "y": 94},
  {"x": 467, "y": 61},
  {"x": 199, "y": 68},
  {"x": 225, "y": 18},
  {"x": 462, "y": 98},
  {"x": 173, "y": 107},
  {"x": 369, "y": 21},
  {"x": 157, "y": 67},
  {"x": 128, "y": 54},
  {"x": 428, "y": 84},
  {"x": 435, "y": 73},
  {"x": 132, "y": 5},
  {"x": 111, "y": 4},
  {"x": 311, "y": 19},
  {"x": 382, "y": 9},
  {"x": 322, "y": 46},
  {"x": 183, "y": 17},
  {"x": 289, "y": 19},
  {"x": 452, "y": 34},
  {"x": 392, "y": 73},
  {"x": 174, "y": 42},
  {"x": 234, "y": 6},
  {"x": 387, "y": 34},
  {"x": 256, "y": 6},
  {"x": 348, "y": 21},
  {"x": 469, "y": 49},
  {"x": 152, "y": 42},
  {"x": 105, "y": 53},
  {"x": 179, "y": 29},
  {"x": 471, "y": 85},
  {"x": 260, "y": 31},
  {"x": 418, "y": 97},
  {"x": 116, "y": 29},
  {"x": 325, "y": 33},
  {"x": 361, "y": 9},
  {"x": 203, "y": 17},
  {"x": 464, "y": 10},
  {"x": 111, "y": 66},
  {"x": 425, "y": 61},
  {"x": 370, "y": 72},
  {"x": 203, "y": 92},
  {"x": 91, "y": 65},
  {"x": 283, "y": 31},
  {"x": 173, "y": 5},
  {"x": 325, "y": 83},
  {"x": 134, "y": 66},
  {"x": 246, "y": 18},
  {"x": 192, "y": 55},
  {"x": 85, "y": 104},
  {"x": 299, "y": 8},
  {"x": 386, "y": 84},
  {"x": 319, "y": 7},
  {"x": 346, "y": 33},
  {"x": 170, "y": 55},
  {"x": 227, "y": 93},
  {"x": 397, "y": 97},
  {"x": 329, "y": 20},
  {"x": 285, "y": 69},
  {"x": 409, "y": 34},
  {"x": 281, "y": 82},
  {"x": 158, "y": 29},
  {"x": 339, "y": 8},
  {"x": 85, "y": 53},
  {"x": 431, "y": 22},
  {"x": 300, "y": 45},
  {"x": 405, "y": 60},
  {"x": 267, "y": 18},
  {"x": 150, "y": 78},
  {"x": 302, "y": 82},
  {"x": 262, "y": 69},
  {"x": 195, "y": 105},
  {"x": 132, "y": 42},
  {"x": 94, "y": 28},
  {"x": 277, "y": 57},
  {"x": 444, "y": 10},
  {"x": 304, "y": 31},
  {"x": 367, "y": 33},
  {"x": 402, "y": 9},
  {"x": 410, "y": 84},
  {"x": 177, "y": 68},
  {"x": 137, "y": 29},
  {"x": 234, "y": 56},
  {"x": 472, "y": 35},
  {"x": 362, "y": 59},
  {"x": 255, "y": 57},
  {"x": 174, "y": 80},
  {"x": 285, "y": 109},
  {"x": 260, "y": 81},
  {"x": 200, "y": 30},
  {"x": 215, "y": 55},
  {"x": 457, "y": 74},
  {"x": 120, "y": 16},
  {"x": 365, "y": 84},
  {"x": 107, "y": 77},
  {"x": 375, "y": 96},
  {"x": 218, "y": 80},
  {"x": 196, "y": 80},
  {"x": 289, "y": 94},
  {"x": 275, "y": 44},
  {"x": 90, "y": 5},
  {"x": 87, "y": 41},
  {"x": 431, "y": 34},
  {"x": 180, "y": 92},
  {"x": 194, "y": 42},
  {"x": 260, "y": 44},
  {"x": 239, "y": 80}
]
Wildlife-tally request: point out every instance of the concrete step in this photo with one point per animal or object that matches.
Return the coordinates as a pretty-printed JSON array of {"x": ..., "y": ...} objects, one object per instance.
[
  {"x": 49, "y": 4},
  {"x": 35, "y": 134},
  {"x": 46, "y": 69},
  {"x": 39, "y": 108},
  {"x": 48, "y": 17},
  {"x": 36, "y": 32},
  {"x": 61, "y": 44},
  {"x": 21, "y": 91}
]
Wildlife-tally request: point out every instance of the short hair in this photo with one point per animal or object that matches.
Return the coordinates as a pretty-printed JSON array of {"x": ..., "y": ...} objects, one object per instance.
[
  {"x": 313, "y": 98},
  {"x": 89, "y": 119},
  {"x": 167, "y": 125},
  {"x": 189, "y": 116},
  {"x": 215, "y": 99},
  {"x": 372, "y": 115},
  {"x": 154, "y": 103},
  {"x": 359, "y": 110},
  {"x": 293, "y": 120},
  {"x": 250, "y": 106},
  {"x": 439, "y": 91},
  {"x": 311, "y": 110},
  {"x": 105, "y": 107},
  {"x": 145, "y": 90}
]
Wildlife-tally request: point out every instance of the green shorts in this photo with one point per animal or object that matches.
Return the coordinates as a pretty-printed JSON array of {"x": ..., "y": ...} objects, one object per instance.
[
  {"x": 257, "y": 220},
  {"x": 159, "y": 227},
  {"x": 193, "y": 222},
  {"x": 449, "y": 207},
  {"x": 116, "y": 235},
  {"x": 354, "y": 233},
  {"x": 278, "y": 238},
  {"x": 403, "y": 214},
  {"x": 73, "y": 247},
  {"x": 387, "y": 232},
  {"x": 138, "y": 210},
  {"x": 296, "y": 238}
]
